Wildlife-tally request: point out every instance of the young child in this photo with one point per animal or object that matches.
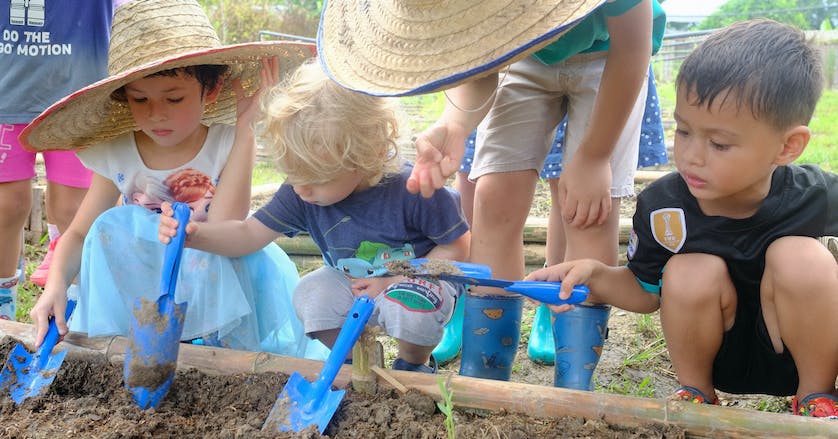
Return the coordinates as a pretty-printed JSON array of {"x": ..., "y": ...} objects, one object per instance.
[
  {"x": 727, "y": 247},
  {"x": 345, "y": 186},
  {"x": 152, "y": 136}
]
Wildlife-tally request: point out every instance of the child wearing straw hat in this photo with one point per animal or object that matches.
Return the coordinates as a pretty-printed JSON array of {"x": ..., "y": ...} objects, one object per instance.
[
  {"x": 157, "y": 129},
  {"x": 590, "y": 60},
  {"x": 726, "y": 247},
  {"x": 345, "y": 187}
]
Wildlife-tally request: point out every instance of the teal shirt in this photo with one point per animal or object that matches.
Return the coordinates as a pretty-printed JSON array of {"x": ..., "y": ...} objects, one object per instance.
[{"x": 591, "y": 34}]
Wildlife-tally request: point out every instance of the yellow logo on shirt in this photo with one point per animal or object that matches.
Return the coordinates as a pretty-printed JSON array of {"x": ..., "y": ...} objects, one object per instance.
[{"x": 669, "y": 228}]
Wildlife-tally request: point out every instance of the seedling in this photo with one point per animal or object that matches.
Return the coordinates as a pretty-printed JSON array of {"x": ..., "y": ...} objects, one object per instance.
[{"x": 446, "y": 406}]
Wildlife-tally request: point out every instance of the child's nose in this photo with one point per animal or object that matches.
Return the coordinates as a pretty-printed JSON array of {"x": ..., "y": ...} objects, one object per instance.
[{"x": 156, "y": 112}]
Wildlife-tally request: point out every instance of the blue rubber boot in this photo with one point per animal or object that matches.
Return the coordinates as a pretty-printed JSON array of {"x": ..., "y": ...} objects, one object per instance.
[
  {"x": 579, "y": 335},
  {"x": 452, "y": 335},
  {"x": 491, "y": 330},
  {"x": 541, "y": 348}
]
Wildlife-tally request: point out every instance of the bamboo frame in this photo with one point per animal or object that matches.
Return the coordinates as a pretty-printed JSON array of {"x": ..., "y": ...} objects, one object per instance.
[{"x": 527, "y": 399}]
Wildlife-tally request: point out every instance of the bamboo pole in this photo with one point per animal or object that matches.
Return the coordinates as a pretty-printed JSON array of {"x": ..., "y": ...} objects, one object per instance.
[{"x": 527, "y": 399}]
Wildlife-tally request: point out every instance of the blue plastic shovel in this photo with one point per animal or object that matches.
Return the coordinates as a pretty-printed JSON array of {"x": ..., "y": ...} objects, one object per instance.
[
  {"x": 481, "y": 275},
  {"x": 24, "y": 374},
  {"x": 302, "y": 404},
  {"x": 155, "y": 328}
]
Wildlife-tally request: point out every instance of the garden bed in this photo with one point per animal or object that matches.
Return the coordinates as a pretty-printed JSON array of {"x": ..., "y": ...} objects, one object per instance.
[{"x": 225, "y": 393}]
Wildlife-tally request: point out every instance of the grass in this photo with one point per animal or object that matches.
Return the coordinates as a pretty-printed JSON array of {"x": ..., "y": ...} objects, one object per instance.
[
  {"x": 446, "y": 406},
  {"x": 823, "y": 146}
]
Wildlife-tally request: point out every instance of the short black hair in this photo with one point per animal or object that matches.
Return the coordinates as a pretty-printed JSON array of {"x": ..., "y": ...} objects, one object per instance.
[
  {"x": 768, "y": 66},
  {"x": 208, "y": 75}
]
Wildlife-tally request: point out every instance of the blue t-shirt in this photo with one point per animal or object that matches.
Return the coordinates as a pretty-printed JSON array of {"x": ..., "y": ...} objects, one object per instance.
[
  {"x": 384, "y": 216},
  {"x": 49, "y": 49},
  {"x": 591, "y": 34}
]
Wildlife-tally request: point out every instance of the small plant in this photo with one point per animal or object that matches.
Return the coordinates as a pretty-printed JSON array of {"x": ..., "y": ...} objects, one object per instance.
[
  {"x": 446, "y": 406},
  {"x": 626, "y": 386}
]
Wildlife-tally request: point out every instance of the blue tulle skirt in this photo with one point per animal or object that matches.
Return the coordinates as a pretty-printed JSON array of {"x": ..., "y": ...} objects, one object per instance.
[{"x": 239, "y": 303}]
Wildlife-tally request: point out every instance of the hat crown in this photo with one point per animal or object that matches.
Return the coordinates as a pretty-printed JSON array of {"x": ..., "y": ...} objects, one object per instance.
[{"x": 146, "y": 31}]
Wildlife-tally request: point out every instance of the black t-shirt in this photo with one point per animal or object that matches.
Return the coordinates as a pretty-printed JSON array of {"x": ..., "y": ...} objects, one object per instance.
[{"x": 802, "y": 201}]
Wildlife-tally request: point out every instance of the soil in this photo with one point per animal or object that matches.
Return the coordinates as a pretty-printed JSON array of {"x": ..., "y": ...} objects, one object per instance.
[{"x": 88, "y": 399}]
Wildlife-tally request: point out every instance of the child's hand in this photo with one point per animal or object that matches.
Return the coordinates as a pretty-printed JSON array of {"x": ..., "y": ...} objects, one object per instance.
[
  {"x": 569, "y": 274},
  {"x": 585, "y": 191},
  {"x": 168, "y": 225},
  {"x": 439, "y": 150},
  {"x": 49, "y": 305},
  {"x": 373, "y": 286},
  {"x": 247, "y": 107}
]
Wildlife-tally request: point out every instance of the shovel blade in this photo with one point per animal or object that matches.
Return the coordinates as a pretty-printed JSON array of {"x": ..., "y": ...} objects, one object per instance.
[
  {"x": 29, "y": 379},
  {"x": 154, "y": 341},
  {"x": 297, "y": 407},
  {"x": 25, "y": 374}
]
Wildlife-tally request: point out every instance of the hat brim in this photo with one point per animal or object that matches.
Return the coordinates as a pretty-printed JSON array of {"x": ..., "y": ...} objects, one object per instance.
[
  {"x": 90, "y": 116},
  {"x": 399, "y": 51}
]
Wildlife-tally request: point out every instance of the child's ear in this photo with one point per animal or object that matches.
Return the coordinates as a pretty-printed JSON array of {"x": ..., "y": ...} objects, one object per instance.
[
  {"x": 795, "y": 141},
  {"x": 212, "y": 95}
]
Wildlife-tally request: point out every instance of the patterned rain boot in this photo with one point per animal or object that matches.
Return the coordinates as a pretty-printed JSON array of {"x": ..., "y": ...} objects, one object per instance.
[
  {"x": 541, "y": 348},
  {"x": 452, "y": 335},
  {"x": 8, "y": 296},
  {"x": 491, "y": 330},
  {"x": 579, "y": 335}
]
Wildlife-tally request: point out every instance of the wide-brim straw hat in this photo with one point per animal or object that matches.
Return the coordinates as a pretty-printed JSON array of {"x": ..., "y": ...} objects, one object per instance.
[
  {"x": 149, "y": 36},
  {"x": 408, "y": 47}
]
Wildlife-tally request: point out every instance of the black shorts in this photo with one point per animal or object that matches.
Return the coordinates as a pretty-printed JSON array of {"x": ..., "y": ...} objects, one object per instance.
[{"x": 747, "y": 363}]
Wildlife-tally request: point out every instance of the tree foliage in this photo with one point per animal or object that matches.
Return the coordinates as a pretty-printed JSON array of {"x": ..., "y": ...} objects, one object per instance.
[
  {"x": 805, "y": 14},
  {"x": 240, "y": 21}
]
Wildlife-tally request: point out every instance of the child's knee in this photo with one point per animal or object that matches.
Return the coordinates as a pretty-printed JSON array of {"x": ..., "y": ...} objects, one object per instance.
[
  {"x": 696, "y": 276},
  {"x": 799, "y": 263}
]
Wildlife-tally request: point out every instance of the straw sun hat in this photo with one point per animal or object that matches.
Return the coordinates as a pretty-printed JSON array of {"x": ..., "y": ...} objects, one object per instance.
[
  {"x": 407, "y": 47},
  {"x": 149, "y": 36}
]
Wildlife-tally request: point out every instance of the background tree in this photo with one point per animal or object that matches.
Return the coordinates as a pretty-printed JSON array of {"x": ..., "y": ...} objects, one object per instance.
[
  {"x": 239, "y": 21},
  {"x": 805, "y": 14}
]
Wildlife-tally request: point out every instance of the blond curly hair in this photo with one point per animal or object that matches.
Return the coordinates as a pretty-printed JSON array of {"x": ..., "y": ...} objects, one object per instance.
[{"x": 319, "y": 130}]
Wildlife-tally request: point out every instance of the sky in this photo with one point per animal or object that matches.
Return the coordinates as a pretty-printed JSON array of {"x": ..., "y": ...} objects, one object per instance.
[{"x": 702, "y": 8}]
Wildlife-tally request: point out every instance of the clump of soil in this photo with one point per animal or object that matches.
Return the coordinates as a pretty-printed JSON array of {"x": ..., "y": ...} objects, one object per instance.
[{"x": 88, "y": 399}]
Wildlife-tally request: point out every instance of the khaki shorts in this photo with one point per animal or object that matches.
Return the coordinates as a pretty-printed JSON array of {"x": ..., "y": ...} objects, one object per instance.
[{"x": 532, "y": 99}]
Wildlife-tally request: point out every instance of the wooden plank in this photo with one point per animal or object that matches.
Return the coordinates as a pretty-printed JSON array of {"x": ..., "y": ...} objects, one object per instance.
[{"x": 698, "y": 420}]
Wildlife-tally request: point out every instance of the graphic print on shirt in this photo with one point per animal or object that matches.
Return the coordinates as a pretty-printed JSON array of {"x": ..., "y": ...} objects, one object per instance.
[
  {"x": 371, "y": 259},
  {"x": 669, "y": 228},
  {"x": 186, "y": 185}
]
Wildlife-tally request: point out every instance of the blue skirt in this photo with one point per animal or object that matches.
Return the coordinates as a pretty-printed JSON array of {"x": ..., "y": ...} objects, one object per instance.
[{"x": 239, "y": 303}]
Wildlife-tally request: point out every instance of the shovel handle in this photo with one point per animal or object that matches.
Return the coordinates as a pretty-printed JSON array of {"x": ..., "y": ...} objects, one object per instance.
[
  {"x": 174, "y": 249},
  {"x": 51, "y": 338},
  {"x": 357, "y": 318}
]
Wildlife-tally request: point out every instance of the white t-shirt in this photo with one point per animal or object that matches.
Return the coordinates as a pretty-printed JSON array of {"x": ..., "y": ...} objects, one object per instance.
[{"x": 192, "y": 183}]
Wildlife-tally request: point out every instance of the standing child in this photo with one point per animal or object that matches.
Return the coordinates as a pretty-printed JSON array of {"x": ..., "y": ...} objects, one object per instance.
[
  {"x": 152, "y": 136},
  {"x": 49, "y": 50},
  {"x": 727, "y": 247},
  {"x": 345, "y": 186}
]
